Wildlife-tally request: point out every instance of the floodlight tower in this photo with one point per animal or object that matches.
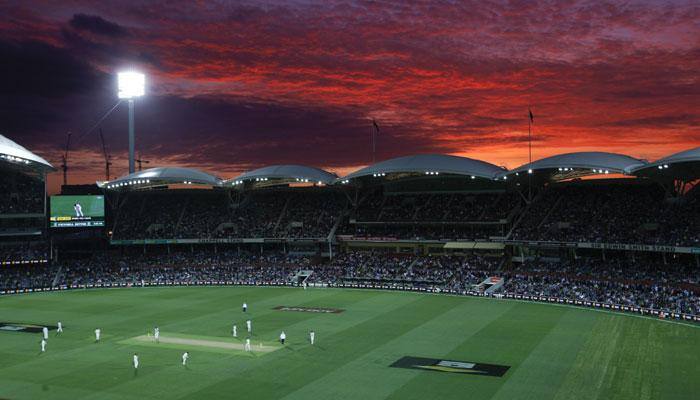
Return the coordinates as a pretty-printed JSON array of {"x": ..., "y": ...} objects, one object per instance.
[{"x": 131, "y": 85}]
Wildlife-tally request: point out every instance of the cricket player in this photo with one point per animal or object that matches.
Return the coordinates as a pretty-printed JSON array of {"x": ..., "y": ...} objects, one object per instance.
[
  {"x": 312, "y": 336},
  {"x": 60, "y": 327},
  {"x": 45, "y": 330},
  {"x": 283, "y": 337},
  {"x": 78, "y": 209},
  {"x": 249, "y": 325},
  {"x": 247, "y": 344},
  {"x": 43, "y": 345},
  {"x": 234, "y": 331},
  {"x": 185, "y": 356},
  {"x": 156, "y": 334},
  {"x": 98, "y": 332},
  {"x": 136, "y": 361},
  {"x": 245, "y": 307},
  {"x": 304, "y": 285}
]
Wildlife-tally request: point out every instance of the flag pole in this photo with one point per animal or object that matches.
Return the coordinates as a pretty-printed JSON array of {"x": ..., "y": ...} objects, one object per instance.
[
  {"x": 375, "y": 131},
  {"x": 374, "y": 145},
  {"x": 529, "y": 148}
]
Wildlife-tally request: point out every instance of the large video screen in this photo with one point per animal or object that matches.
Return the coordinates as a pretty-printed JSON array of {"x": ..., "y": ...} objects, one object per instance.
[{"x": 77, "y": 211}]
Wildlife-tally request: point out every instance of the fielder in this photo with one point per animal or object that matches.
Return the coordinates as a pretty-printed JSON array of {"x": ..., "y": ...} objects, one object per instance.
[
  {"x": 185, "y": 356},
  {"x": 234, "y": 331},
  {"x": 283, "y": 337},
  {"x": 60, "y": 327},
  {"x": 43, "y": 345},
  {"x": 249, "y": 325},
  {"x": 312, "y": 337},
  {"x": 45, "y": 331},
  {"x": 245, "y": 307},
  {"x": 247, "y": 344},
  {"x": 136, "y": 361},
  {"x": 156, "y": 334},
  {"x": 98, "y": 332}
]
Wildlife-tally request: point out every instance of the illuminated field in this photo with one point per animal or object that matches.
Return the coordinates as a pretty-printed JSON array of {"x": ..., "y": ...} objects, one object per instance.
[{"x": 441, "y": 347}]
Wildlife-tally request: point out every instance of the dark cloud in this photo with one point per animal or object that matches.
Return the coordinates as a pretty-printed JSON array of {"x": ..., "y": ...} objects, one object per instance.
[
  {"x": 97, "y": 25},
  {"x": 39, "y": 69}
]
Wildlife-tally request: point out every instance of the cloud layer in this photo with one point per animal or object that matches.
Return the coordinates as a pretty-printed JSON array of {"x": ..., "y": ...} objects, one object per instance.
[{"x": 236, "y": 86}]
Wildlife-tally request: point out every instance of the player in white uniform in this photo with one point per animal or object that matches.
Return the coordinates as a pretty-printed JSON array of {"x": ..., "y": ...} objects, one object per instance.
[
  {"x": 156, "y": 334},
  {"x": 136, "y": 361},
  {"x": 45, "y": 331},
  {"x": 249, "y": 325},
  {"x": 43, "y": 345},
  {"x": 247, "y": 344},
  {"x": 234, "y": 330},
  {"x": 185, "y": 356},
  {"x": 283, "y": 337},
  {"x": 98, "y": 332},
  {"x": 78, "y": 209},
  {"x": 60, "y": 327},
  {"x": 245, "y": 307},
  {"x": 312, "y": 336}
]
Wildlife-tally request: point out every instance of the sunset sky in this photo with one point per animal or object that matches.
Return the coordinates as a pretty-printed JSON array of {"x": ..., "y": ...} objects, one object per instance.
[{"x": 238, "y": 85}]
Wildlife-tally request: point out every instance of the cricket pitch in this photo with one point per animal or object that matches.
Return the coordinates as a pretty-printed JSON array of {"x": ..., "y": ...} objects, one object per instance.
[{"x": 181, "y": 342}]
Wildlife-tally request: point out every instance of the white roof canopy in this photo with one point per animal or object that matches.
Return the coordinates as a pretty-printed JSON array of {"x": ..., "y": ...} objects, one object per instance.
[
  {"x": 14, "y": 153},
  {"x": 590, "y": 162},
  {"x": 294, "y": 173},
  {"x": 162, "y": 176},
  {"x": 431, "y": 164},
  {"x": 685, "y": 164}
]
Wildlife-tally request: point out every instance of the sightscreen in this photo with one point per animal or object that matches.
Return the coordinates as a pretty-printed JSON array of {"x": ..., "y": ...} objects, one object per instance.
[{"x": 77, "y": 211}]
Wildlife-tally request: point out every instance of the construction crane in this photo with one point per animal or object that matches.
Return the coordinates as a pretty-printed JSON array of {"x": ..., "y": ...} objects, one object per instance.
[
  {"x": 140, "y": 161},
  {"x": 64, "y": 160},
  {"x": 108, "y": 158}
]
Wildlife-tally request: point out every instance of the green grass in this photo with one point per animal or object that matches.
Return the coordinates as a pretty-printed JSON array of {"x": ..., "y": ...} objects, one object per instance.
[{"x": 554, "y": 352}]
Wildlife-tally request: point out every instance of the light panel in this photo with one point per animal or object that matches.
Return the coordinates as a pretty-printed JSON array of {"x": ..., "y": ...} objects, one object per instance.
[{"x": 130, "y": 85}]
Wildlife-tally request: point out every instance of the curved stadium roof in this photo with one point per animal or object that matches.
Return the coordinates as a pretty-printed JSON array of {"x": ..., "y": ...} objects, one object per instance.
[
  {"x": 430, "y": 163},
  {"x": 582, "y": 163},
  {"x": 685, "y": 164},
  {"x": 298, "y": 173},
  {"x": 14, "y": 153},
  {"x": 163, "y": 176}
]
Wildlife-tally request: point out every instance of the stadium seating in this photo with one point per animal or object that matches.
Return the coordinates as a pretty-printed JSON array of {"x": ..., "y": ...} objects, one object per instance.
[
  {"x": 20, "y": 193},
  {"x": 673, "y": 286},
  {"x": 24, "y": 252},
  {"x": 626, "y": 212},
  {"x": 214, "y": 214}
]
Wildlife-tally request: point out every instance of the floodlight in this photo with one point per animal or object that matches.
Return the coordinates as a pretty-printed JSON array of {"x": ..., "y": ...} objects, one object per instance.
[{"x": 130, "y": 85}]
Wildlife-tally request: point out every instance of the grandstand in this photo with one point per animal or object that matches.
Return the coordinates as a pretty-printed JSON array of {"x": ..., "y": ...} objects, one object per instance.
[
  {"x": 559, "y": 227},
  {"x": 23, "y": 237}
]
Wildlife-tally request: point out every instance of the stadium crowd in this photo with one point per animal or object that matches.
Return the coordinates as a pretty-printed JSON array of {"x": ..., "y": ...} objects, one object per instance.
[
  {"x": 24, "y": 252},
  {"x": 20, "y": 193},
  {"x": 644, "y": 283},
  {"x": 436, "y": 207},
  {"x": 612, "y": 213},
  {"x": 622, "y": 212},
  {"x": 200, "y": 214}
]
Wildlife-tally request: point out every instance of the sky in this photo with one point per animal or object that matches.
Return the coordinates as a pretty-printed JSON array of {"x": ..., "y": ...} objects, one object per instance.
[{"x": 233, "y": 86}]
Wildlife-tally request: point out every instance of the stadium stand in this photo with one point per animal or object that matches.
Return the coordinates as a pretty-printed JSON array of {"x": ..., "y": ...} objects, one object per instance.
[
  {"x": 626, "y": 211},
  {"x": 21, "y": 193},
  {"x": 214, "y": 214},
  {"x": 671, "y": 287}
]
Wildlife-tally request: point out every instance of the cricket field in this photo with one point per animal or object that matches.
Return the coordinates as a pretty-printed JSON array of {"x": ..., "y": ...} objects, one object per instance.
[{"x": 369, "y": 345}]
